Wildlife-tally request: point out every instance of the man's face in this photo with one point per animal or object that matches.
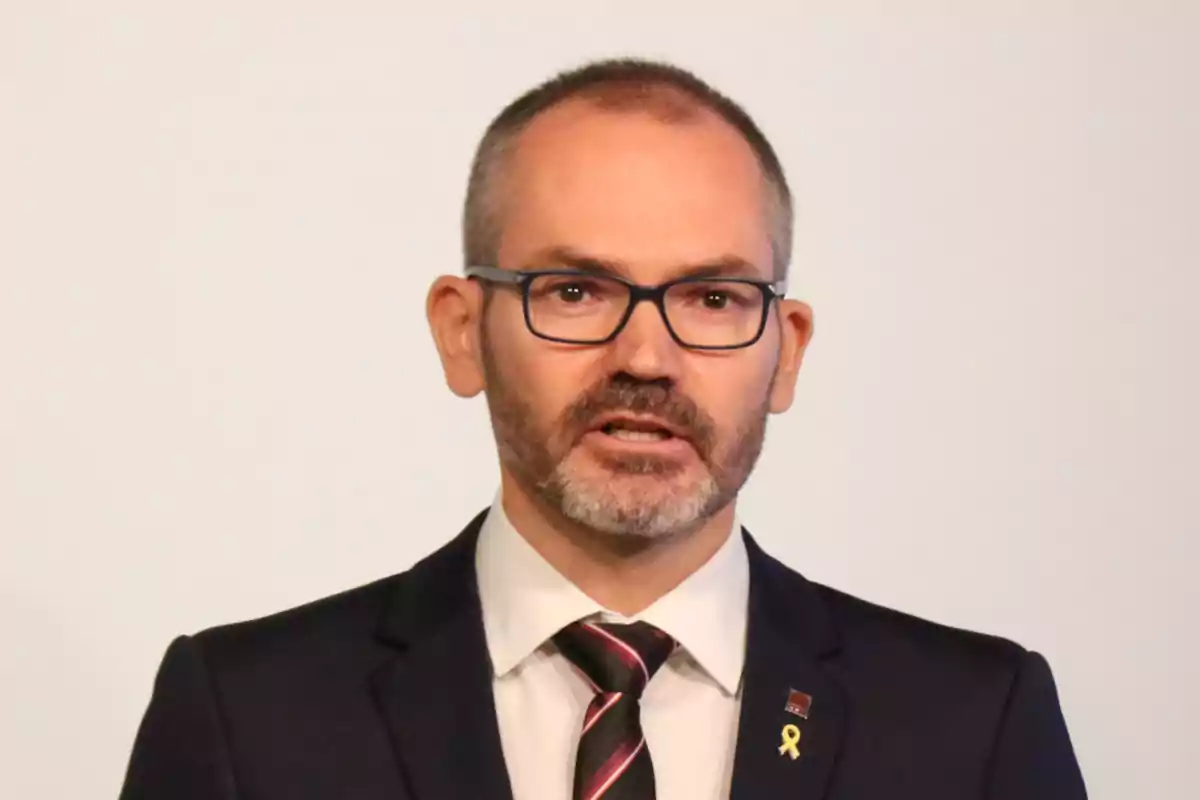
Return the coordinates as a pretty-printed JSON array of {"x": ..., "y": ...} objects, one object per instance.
[{"x": 655, "y": 200}]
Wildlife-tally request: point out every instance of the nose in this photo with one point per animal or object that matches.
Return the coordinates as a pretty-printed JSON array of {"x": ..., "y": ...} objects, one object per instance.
[{"x": 644, "y": 347}]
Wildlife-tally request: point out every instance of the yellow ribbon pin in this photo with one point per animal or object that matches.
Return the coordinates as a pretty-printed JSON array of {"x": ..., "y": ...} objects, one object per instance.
[{"x": 791, "y": 738}]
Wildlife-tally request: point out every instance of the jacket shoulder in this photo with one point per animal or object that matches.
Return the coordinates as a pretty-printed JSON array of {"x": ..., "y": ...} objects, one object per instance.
[
  {"x": 308, "y": 634},
  {"x": 984, "y": 706},
  {"x": 868, "y": 626},
  {"x": 864, "y": 630},
  {"x": 906, "y": 668},
  {"x": 342, "y": 630}
]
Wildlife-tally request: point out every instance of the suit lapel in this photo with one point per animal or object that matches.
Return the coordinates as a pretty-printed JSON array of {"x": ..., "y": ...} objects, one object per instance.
[
  {"x": 789, "y": 639},
  {"x": 436, "y": 692}
]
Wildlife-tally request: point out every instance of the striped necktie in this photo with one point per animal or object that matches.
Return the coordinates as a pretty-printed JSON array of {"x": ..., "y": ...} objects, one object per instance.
[{"x": 612, "y": 760}]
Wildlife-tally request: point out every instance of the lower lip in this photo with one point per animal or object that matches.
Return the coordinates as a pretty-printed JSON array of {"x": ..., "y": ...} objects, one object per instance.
[{"x": 673, "y": 447}]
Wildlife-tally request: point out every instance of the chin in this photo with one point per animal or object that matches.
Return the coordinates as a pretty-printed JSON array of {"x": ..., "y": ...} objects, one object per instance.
[{"x": 645, "y": 506}]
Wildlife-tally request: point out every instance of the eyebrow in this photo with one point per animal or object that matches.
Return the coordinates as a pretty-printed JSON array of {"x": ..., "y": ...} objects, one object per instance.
[{"x": 725, "y": 266}]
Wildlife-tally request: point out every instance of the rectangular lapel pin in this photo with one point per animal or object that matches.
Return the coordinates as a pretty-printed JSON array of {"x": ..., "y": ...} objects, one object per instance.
[{"x": 799, "y": 704}]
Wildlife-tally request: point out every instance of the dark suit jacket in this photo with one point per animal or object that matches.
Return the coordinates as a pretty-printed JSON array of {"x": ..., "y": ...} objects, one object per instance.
[{"x": 385, "y": 693}]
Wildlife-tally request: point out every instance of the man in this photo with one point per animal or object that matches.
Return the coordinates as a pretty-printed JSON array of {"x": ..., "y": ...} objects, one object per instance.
[{"x": 606, "y": 628}]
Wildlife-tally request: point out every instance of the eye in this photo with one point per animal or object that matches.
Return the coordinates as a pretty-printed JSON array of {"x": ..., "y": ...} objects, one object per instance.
[
  {"x": 718, "y": 296},
  {"x": 564, "y": 290},
  {"x": 572, "y": 292},
  {"x": 716, "y": 299},
  {"x": 558, "y": 289}
]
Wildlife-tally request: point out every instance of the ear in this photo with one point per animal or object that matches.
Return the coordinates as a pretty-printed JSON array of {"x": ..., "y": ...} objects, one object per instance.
[
  {"x": 454, "y": 307},
  {"x": 796, "y": 324}
]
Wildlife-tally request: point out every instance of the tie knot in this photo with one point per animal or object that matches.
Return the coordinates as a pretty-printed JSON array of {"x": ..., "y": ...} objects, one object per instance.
[{"x": 615, "y": 657}]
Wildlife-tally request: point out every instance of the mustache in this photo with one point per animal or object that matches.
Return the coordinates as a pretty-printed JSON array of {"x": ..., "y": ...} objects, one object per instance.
[{"x": 633, "y": 396}]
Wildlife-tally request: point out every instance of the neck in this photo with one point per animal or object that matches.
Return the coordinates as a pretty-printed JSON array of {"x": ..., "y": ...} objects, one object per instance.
[{"x": 622, "y": 574}]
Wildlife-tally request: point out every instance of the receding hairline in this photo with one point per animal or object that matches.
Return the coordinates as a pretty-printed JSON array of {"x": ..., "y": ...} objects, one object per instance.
[
  {"x": 670, "y": 111},
  {"x": 666, "y": 102},
  {"x": 668, "y": 94}
]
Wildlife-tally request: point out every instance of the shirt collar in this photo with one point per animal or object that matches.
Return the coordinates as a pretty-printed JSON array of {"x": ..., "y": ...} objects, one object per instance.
[{"x": 526, "y": 601}]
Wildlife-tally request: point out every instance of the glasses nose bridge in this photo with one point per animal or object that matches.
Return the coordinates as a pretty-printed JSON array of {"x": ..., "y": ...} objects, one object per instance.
[{"x": 656, "y": 295}]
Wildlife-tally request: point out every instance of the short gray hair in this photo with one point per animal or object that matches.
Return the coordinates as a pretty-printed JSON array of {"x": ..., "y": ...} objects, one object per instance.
[{"x": 670, "y": 93}]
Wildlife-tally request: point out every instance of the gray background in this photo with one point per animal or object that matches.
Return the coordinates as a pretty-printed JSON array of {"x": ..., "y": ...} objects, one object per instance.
[{"x": 219, "y": 397}]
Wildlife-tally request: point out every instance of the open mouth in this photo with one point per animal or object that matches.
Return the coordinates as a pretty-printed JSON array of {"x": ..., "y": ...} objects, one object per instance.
[
  {"x": 621, "y": 431},
  {"x": 636, "y": 430}
]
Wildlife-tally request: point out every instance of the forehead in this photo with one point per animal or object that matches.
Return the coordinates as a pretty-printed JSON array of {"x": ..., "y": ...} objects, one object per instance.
[{"x": 628, "y": 186}]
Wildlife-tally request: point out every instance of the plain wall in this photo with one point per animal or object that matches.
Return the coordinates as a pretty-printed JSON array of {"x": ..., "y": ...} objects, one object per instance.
[{"x": 219, "y": 398}]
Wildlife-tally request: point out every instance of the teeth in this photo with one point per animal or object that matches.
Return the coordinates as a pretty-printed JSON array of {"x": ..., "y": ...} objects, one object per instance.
[{"x": 638, "y": 436}]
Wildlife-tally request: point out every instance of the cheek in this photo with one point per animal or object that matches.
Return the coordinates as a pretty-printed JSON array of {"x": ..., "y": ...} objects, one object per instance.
[
  {"x": 549, "y": 380},
  {"x": 733, "y": 393}
]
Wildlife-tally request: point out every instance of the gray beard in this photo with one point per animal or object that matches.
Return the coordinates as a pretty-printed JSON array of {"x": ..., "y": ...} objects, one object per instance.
[
  {"x": 599, "y": 508},
  {"x": 604, "y": 506}
]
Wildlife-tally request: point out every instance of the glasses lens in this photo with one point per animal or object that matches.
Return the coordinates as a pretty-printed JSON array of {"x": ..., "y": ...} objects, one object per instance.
[
  {"x": 715, "y": 313},
  {"x": 577, "y": 308}
]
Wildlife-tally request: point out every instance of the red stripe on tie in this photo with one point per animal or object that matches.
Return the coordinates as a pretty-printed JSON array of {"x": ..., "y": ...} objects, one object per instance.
[
  {"x": 613, "y": 769},
  {"x": 623, "y": 651},
  {"x": 595, "y": 712}
]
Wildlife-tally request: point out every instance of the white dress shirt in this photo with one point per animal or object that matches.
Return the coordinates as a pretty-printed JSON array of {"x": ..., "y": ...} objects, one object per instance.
[{"x": 690, "y": 707}]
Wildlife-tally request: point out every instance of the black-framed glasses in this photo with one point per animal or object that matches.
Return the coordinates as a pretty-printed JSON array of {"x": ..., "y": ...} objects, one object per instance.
[{"x": 578, "y": 307}]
